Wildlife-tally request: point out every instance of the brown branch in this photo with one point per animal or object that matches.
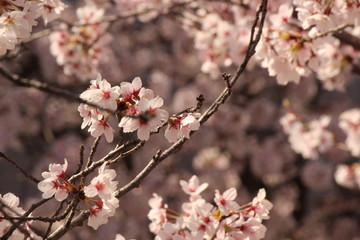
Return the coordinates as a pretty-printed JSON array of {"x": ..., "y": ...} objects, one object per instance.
[
  {"x": 115, "y": 154},
  {"x": 81, "y": 159},
  {"x": 45, "y": 87},
  {"x": 55, "y": 214},
  {"x": 92, "y": 152},
  {"x": 348, "y": 38}
]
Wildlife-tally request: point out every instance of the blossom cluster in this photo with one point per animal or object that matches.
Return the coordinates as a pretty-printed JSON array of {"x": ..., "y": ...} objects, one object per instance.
[
  {"x": 313, "y": 138},
  {"x": 308, "y": 139},
  {"x": 81, "y": 47},
  {"x": 293, "y": 48},
  {"x": 149, "y": 9},
  {"x": 139, "y": 110},
  {"x": 348, "y": 175},
  {"x": 349, "y": 122},
  {"x": 203, "y": 220},
  {"x": 18, "y": 17},
  {"x": 290, "y": 48},
  {"x": 103, "y": 185},
  {"x": 55, "y": 182}
]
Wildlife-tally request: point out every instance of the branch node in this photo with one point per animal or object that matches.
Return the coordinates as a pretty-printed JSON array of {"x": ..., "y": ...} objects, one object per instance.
[
  {"x": 157, "y": 155},
  {"x": 226, "y": 78}
]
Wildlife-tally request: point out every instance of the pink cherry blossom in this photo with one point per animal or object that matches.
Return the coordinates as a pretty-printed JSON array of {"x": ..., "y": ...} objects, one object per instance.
[
  {"x": 181, "y": 126},
  {"x": 150, "y": 118},
  {"x": 100, "y": 214},
  {"x": 226, "y": 202},
  {"x": 55, "y": 182},
  {"x": 157, "y": 214},
  {"x": 103, "y": 95},
  {"x": 101, "y": 126},
  {"x": 193, "y": 187},
  {"x": 103, "y": 184}
]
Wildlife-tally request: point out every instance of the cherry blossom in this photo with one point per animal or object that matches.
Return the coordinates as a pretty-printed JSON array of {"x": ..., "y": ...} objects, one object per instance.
[
  {"x": 226, "y": 202},
  {"x": 102, "y": 94},
  {"x": 100, "y": 214},
  {"x": 348, "y": 175},
  {"x": 51, "y": 9},
  {"x": 103, "y": 184},
  {"x": 193, "y": 187},
  {"x": 55, "y": 182},
  {"x": 181, "y": 126},
  {"x": 18, "y": 17},
  {"x": 260, "y": 206},
  {"x": 100, "y": 127},
  {"x": 81, "y": 49},
  {"x": 150, "y": 118},
  {"x": 157, "y": 214},
  {"x": 309, "y": 139},
  {"x": 202, "y": 220},
  {"x": 350, "y": 123}
]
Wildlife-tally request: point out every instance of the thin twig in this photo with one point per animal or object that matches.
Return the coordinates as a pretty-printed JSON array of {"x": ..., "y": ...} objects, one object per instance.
[
  {"x": 92, "y": 152},
  {"x": 28, "y": 176},
  {"x": 81, "y": 159},
  {"x": 55, "y": 214},
  {"x": 45, "y": 87}
]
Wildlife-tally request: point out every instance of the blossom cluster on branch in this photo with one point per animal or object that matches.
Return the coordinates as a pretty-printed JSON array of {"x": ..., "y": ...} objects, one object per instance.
[
  {"x": 18, "y": 17},
  {"x": 138, "y": 109},
  {"x": 202, "y": 220}
]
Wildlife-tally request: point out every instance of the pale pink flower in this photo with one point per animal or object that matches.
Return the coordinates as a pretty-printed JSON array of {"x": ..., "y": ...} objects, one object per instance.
[
  {"x": 147, "y": 118},
  {"x": 249, "y": 229},
  {"x": 193, "y": 187},
  {"x": 101, "y": 126},
  {"x": 51, "y": 9},
  {"x": 310, "y": 140},
  {"x": 201, "y": 221},
  {"x": 88, "y": 113},
  {"x": 100, "y": 214},
  {"x": 226, "y": 202},
  {"x": 157, "y": 214},
  {"x": 55, "y": 182},
  {"x": 130, "y": 91},
  {"x": 260, "y": 207},
  {"x": 103, "y": 184},
  {"x": 350, "y": 123},
  {"x": 10, "y": 205},
  {"x": 104, "y": 95},
  {"x": 348, "y": 175},
  {"x": 170, "y": 232},
  {"x": 181, "y": 126},
  {"x": 90, "y": 14},
  {"x": 15, "y": 24}
]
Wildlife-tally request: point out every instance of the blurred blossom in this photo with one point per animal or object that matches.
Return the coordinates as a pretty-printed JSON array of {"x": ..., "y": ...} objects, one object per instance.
[
  {"x": 348, "y": 175},
  {"x": 209, "y": 158}
]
